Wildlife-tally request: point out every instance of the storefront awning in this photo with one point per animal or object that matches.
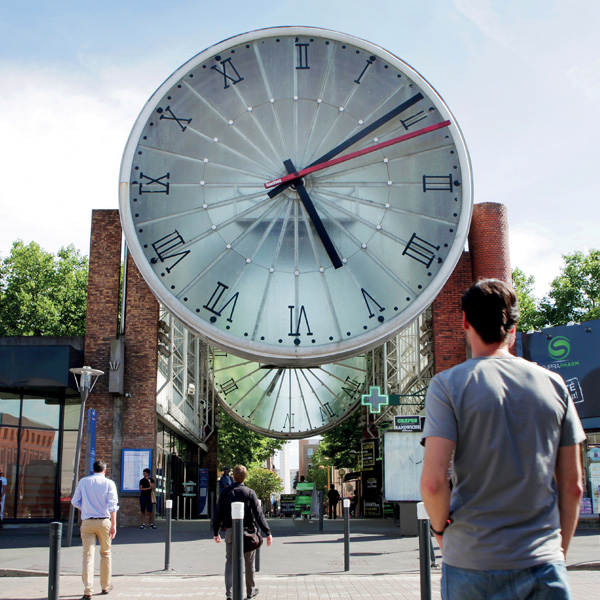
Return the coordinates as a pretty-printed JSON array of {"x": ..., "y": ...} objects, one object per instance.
[{"x": 43, "y": 366}]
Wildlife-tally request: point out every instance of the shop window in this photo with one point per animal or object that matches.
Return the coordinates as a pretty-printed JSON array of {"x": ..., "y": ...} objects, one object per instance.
[
  {"x": 41, "y": 413},
  {"x": 37, "y": 473},
  {"x": 72, "y": 415}
]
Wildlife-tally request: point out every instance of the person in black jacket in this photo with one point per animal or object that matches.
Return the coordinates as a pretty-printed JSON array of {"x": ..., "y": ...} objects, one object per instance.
[{"x": 253, "y": 513}]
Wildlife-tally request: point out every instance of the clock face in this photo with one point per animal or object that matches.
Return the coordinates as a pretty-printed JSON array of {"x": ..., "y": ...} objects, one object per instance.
[
  {"x": 313, "y": 269},
  {"x": 288, "y": 402}
]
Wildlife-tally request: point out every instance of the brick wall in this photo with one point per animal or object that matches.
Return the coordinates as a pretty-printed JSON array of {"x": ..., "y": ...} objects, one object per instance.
[
  {"x": 449, "y": 346},
  {"x": 102, "y": 321},
  {"x": 488, "y": 242},
  {"x": 141, "y": 363},
  {"x": 488, "y": 256}
]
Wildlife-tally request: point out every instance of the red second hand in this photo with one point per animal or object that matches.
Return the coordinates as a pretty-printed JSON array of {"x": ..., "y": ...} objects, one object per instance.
[{"x": 351, "y": 155}]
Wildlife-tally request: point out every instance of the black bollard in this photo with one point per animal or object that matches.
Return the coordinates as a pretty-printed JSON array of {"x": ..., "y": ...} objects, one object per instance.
[
  {"x": 169, "y": 511},
  {"x": 54, "y": 565},
  {"x": 237, "y": 519},
  {"x": 424, "y": 551},
  {"x": 257, "y": 560},
  {"x": 346, "y": 510},
  {"x": 320, "y": 497}
]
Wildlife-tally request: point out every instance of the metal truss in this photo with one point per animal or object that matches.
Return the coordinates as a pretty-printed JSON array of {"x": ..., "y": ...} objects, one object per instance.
[
  {"x": 184, "y": 395},
  {"x": 404, "y": 365}
]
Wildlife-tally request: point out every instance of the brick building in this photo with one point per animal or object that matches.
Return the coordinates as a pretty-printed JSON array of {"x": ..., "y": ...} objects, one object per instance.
[{"x": 156, "y": 394}]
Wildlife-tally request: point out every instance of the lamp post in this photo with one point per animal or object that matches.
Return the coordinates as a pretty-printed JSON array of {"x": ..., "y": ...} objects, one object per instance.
[{"x": 85, "y": 378}]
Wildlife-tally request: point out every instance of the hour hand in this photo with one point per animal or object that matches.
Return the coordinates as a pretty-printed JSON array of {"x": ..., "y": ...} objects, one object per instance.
[{"x": 314, "y": 217}]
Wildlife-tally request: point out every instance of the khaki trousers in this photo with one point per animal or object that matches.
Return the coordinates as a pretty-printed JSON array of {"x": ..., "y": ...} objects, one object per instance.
[{"x": 92, "y": 529}]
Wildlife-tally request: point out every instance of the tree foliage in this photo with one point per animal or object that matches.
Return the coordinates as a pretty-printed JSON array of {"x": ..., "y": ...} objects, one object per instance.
[
  {"x": 43, "y": 294},
  {"x": 341, "y": 444},
  {"x": 317, "y": 474},
  {"x": 575, "y": 294},
  {"x": 532, "y": 317},
  {"x": 264, "y": 482},
  {"x": 239, "y": 445}
]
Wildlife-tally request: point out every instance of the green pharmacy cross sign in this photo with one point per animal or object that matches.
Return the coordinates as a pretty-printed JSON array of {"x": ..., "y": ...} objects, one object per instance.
[{"x": 375, "y": 399}]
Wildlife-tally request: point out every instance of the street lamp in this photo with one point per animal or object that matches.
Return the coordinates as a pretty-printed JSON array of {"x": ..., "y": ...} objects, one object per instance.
[{"x": 85, "y": 378}]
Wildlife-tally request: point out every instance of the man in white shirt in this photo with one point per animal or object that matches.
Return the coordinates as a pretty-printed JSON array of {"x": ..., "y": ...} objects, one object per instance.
[{"x": 96, "y": 498}]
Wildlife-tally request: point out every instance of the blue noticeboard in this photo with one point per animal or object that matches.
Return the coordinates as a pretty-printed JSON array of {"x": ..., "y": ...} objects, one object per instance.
[
  {"x": 133, "y": 463},
  {"x": 90, "y": 444}
]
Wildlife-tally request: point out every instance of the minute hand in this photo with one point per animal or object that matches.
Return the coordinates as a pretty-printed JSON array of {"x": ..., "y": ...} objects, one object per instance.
[
  {"x": 288, "y": 179},
  {"x": 357, "y": 136}
]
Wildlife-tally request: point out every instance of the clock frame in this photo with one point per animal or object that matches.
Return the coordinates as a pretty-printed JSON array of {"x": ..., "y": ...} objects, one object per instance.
[{"x": 331, "y": 264}]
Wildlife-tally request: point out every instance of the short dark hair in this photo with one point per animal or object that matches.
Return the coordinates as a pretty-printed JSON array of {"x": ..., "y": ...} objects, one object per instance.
[
  {"x": 147, "y": 471},
  {"x": 492, "y": 308},
  {"x": 99, "y": 466}
]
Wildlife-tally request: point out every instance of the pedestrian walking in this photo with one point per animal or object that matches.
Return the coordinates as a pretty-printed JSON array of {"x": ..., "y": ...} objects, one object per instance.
[
  {"x": 96, "y": 498},
  {"x": 253, "y": 513}
]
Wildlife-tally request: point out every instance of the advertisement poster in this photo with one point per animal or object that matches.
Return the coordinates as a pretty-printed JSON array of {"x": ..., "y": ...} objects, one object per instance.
[
  {"x": 133, "y": 463},
  {"x": 571, "y": 351},
  {"x": 367, "y": 455},
  {"x": 203, "y": 479},
  {"x": 594, "y": 472}
]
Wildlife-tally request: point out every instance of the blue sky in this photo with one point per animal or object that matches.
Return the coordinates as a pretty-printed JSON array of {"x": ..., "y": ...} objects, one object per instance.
[{"x": 521, "y": 77}]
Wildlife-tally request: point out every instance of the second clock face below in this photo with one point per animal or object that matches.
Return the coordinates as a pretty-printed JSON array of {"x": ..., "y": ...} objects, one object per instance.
[
  {"x": 326, "y": 266},
  {"x": 286, "y": 402}
]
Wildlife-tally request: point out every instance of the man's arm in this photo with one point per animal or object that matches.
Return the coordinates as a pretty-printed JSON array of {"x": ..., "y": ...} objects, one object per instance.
[
  {"x": 434, "y": 481},
  {"x": 112, "y": 504},
  {"x": 570, "y": 489},
  {"x": 76, "y": 499},
  {"x": 113, "y": 525}
]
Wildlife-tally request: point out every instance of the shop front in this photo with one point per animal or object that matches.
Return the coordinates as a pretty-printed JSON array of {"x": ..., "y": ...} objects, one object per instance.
[
  {"x": 573, "y": 351},
  {"x": 39, "y": 418}
]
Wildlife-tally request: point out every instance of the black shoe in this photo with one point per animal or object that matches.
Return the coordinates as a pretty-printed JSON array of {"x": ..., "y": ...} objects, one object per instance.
[{"x": 108, "y": 590}]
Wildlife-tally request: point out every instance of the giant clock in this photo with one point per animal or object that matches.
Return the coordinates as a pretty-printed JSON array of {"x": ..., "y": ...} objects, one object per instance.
[
  {"x": 288, "y": 402},
  {"x": 296, "y": 195}
]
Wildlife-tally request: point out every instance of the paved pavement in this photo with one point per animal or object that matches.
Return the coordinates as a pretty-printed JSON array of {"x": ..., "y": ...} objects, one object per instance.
[{"x": 301, "y": 563}]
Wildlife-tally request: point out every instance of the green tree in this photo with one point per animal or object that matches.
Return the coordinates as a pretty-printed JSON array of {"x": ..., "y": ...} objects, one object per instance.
[
  {"x": 317, "y": 473},
  {"x": 575, "y": 294},
  {"x": 239, "y": 445},
  {"x": 264, "y": 482},
  {"x": 341, "y": 444},
  {"x": 43, "y": 294},
  {"x": 532, "y": 317}
]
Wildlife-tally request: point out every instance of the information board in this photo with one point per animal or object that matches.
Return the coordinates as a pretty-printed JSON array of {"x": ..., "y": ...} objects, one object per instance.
[
  {"x": 287, "y": 503},
  {"x": 133, "y": 463},
  {"x": 403, "y": 463}
]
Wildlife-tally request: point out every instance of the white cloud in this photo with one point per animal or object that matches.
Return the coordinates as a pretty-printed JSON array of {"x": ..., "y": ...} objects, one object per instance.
[
  {"x": 63, "y": 139},
  {"x": 535, "y": 253}
]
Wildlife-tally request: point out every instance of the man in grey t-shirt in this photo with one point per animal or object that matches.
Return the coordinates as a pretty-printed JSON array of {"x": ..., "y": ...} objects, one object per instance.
[{"x": 513, "y": 433}]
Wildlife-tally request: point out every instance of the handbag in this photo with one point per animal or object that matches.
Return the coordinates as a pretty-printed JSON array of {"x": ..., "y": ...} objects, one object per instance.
[
  {"x": 252, "y": 539},
  {"x": 153, "y": 497}
]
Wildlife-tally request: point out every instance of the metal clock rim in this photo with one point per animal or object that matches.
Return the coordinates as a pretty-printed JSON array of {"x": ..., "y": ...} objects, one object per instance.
[{"x": 297, "y": 356}]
